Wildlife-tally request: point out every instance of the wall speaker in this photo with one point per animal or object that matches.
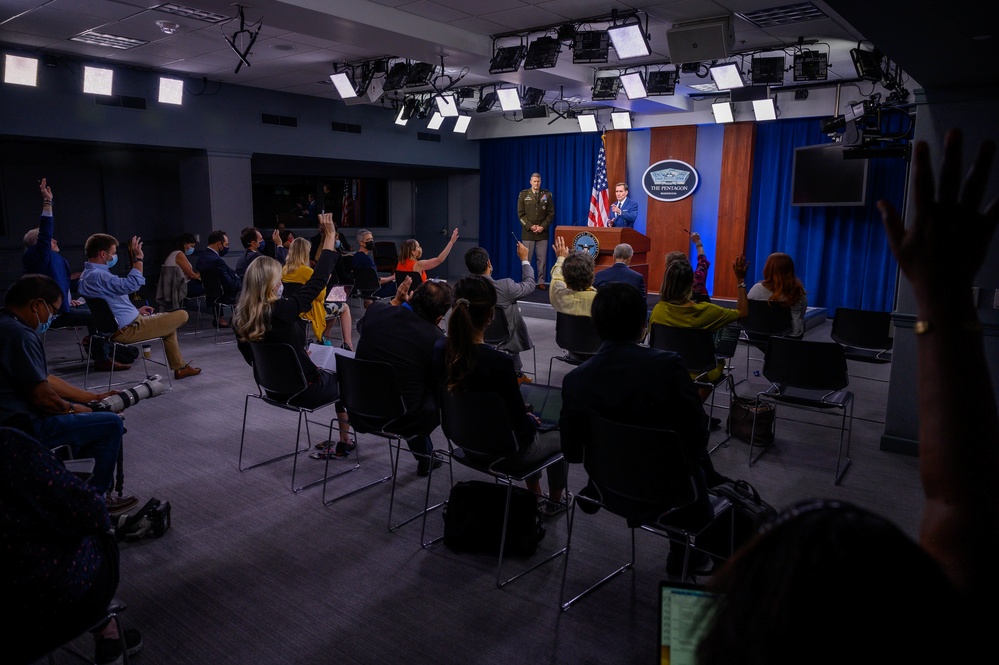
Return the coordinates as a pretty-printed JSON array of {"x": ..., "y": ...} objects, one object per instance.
[{"x": 701, "y": 41}]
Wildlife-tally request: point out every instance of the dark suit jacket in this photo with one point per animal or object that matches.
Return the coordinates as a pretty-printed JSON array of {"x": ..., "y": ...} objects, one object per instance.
[
  {"x": 619, "y": 272},
  {"x": 397, "y": 336},
  {"x": 629, "y": 213},
  {"x": 210, "y": 262},
  {"x": 635, "y": 384}
]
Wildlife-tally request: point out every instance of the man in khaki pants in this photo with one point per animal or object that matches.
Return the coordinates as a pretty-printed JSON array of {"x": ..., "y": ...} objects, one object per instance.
[{"x": 137, "y": 325}]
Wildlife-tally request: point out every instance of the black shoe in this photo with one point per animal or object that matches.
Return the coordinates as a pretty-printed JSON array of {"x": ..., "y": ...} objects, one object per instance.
[
  {"x": 715, "y": 424},
  {"x": 423, "y": 467},
  {"x": 107, "y": 651}
]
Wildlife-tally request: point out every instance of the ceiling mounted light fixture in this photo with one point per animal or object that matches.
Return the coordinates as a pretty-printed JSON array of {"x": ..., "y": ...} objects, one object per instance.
[
  {"x": 344, "y": 84},
  {"x": 436, "y": 120},
  {"x": 606, "y": 88},
  {"x": 167, "y": 27},
  {"x": 509, "y": 99},
  {"x": 420, "y": 74},
  {"x": 396, "y": 77},
  {"x": 810, "y": 66},
  {"x": 447, "y": 106},
  {"x": 542, "y": 53},
  {"x": 507, "y": 59},
  {"x": 634, "y": 85},
  {"x": 661, "y": 82},
  {"x": 767, "y": 71},
  {"x": 591, "y": 46},
  {"x": 171, "y": 91},
  {"x": 621, "y": 119},
  {"x": 587, "y": 122},
  {"x": 20, "y": 71},
  {"x": 629, "y": 41},
  {"x": 765, "y": 109},
  {"x": 461, "y": 124},
  {"x": 406, "y": 111},
  {"x": 723, "y": 112},
  {"x": 532, "y": 97},
  {"x": 97, "y": 81},
  {"x": 726, "y": 76},
  {"x": 867, "y": 64},
  {"x": 486, "y": 102}
]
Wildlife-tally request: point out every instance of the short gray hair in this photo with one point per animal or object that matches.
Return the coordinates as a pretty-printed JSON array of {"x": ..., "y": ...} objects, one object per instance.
[
  {"x": 623, "y": 252},
  {"x": 31, "y": 238},
  {"x": 361, "y": 233}
]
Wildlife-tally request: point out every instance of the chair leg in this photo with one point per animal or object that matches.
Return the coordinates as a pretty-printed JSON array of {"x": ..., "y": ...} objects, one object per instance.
[
  {"x": 752, "y": 436},
  {"x": 395, "y": 468},
  {"x": 565, "y": 605},
  {"x": 839, "y": 456},
  {"x": 500, "y": 582},
  {"x": 357, "y": 465}
]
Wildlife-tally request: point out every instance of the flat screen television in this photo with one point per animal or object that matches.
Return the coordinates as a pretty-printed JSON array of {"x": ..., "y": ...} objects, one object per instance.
[{"x": 822, "y": 177}]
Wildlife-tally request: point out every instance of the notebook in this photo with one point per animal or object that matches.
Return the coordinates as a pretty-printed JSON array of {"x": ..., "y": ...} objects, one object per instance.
[
  {"x": 338, "y": 293},
  {"x": 545, "y": 402},
  {"x": 684, "y": 610}
]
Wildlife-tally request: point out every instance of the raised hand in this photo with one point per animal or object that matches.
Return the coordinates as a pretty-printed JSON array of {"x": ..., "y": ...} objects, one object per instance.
[
  {"x": 560, "y": 247},
  {"x": 740, "y": 266},
  {"x": 135, "y": 246},
  {"x": 45, "y": 190}
]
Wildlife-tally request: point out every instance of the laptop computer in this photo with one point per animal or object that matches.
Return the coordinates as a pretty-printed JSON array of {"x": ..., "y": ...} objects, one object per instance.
[
  {"x": 684, "y": 611},
  {"x": 545, "y": 402},
  {"x": 338, "y": 292}
]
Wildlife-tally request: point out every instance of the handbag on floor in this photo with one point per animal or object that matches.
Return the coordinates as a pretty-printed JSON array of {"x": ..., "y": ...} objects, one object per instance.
[
  {"x": 740, "y": 420},
  {"x": 473, "y": 519}
]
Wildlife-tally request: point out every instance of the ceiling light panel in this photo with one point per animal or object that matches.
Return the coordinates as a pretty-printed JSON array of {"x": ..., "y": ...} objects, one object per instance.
[
  {"x": 461, "y": 124},
  {"x": 633, "y": 85},
  {"x": 587, "y": 122},
  {"x": 111, "y": 41},
  {"x": 20, "y": 71},
  {"x": 629, "y": 41},
  {"x": 509, "y": 99},
  {"x": 97, "y": 81},
  {"x": 171, "y": 91}
]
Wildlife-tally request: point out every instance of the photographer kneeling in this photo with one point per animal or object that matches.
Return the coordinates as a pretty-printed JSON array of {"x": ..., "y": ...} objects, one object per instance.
[{"x": 43, "y": 405}]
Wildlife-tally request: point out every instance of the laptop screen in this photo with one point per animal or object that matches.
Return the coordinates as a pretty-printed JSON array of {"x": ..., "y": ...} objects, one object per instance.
[
  {"x": 545, "y": 401},
  {"x": 684, "y": 610}
]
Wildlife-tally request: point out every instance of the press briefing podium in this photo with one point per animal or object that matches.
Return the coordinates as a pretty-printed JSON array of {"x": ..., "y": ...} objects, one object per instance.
[{"x": 607, "y": 238}]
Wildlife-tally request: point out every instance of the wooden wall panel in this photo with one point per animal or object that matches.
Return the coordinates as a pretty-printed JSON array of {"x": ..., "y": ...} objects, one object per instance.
[
  {"x": 616, "y": 144},
  {"x": 734, "y": 201},
  {"x": 666, "y": 221}
]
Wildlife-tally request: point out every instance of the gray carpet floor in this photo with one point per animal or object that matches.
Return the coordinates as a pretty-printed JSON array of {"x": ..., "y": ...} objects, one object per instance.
[{"x": 253, "y": 573}]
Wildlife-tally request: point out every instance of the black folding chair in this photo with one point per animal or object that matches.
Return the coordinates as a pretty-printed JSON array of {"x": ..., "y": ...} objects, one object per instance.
[
  {"x": 765, "y": 320},
  {"x": 646, "y": 476},
  {"x": 401, "y": 275},
  {"x": 498, "y": 332},
  {"x": 811, "y": 376},
  {"x": 107, "y": 326},
  {"x": 481, "y": 437},
  {"x": 216, "y": 298},
  {"x": 371, "y": 394},
  {"x": 366, "y": 283},
  {"x": 577, "y": 337},
  {"x": 280, "y": 380},
  {"x": 864, "y": 335}
]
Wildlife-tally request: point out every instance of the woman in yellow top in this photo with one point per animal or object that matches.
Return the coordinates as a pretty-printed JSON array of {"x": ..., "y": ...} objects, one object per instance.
[
  {"x": 297, "y": 271},
  {"x": 411, "y": 252},
  {"x": 676, "y": 308}
]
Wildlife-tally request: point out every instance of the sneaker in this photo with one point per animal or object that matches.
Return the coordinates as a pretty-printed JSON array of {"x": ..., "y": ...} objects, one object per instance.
[
  {"x": 423, "y": 466},
  {"x": 549, "y": 508},
  {"x": 523, "y": 378},
  {"x": 119, "y": 504},
  {"x": 108, "y": 651}
]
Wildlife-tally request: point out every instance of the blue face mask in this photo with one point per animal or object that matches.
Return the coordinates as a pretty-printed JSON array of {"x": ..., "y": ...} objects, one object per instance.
[
  {"x": 225, "y": 250},
  {"x": 189, "y": 251},
  {"x": 44, "y": 325},
  {"x": 260, "y": 245},
  {"x": 113, "y": 262}
]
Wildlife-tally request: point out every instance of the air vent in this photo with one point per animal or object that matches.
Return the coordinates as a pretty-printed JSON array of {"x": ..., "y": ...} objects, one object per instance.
[
  {"x": 112, "y": 41},
  {"x": 346, "y": 127},
  {"x": 427, "y": 136},
  {"x": 189, "y": 12},
  {"x": 121, "y": 101},
  {"x": 785, "y": 15},
  {"x": 279, "y": 120}
]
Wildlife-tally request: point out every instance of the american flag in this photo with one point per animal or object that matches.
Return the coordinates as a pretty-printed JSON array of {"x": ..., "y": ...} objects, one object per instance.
[
  {"x": 599, "y": 198},
  {"x": 347, "y": 215}
]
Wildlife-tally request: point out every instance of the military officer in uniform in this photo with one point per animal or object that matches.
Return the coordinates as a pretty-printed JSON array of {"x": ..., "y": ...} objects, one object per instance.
[{"x": 536, "y": 210}]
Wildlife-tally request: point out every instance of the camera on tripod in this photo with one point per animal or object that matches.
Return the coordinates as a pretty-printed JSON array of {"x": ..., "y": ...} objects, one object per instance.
[{"x": 151, "y": 387}]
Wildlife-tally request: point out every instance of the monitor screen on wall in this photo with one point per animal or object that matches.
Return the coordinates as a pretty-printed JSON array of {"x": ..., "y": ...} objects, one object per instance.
[{"x": 822, "y": 177}]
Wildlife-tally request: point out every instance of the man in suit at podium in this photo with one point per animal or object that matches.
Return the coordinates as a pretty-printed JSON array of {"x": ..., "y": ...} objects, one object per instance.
[
  {"x": 624, "y": 211},
  {"x": 620, "y": 272}
]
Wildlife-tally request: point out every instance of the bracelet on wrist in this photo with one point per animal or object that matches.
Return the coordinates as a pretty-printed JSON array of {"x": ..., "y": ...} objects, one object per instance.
[
  {"x": 971, "y": 325},
  {"x": 46, "y": 202},
  {"x": 740, "y": 285}
]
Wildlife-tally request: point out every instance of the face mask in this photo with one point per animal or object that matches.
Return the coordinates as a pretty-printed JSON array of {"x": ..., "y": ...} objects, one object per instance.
[
  {"x": 337, "y": 243},
  {"x": 280, "y": 290},
  {"x": 370, "y": 245},
  {"x": 188, "y": 252},
  {"x": 44, "y": 325},
  {"x": 113, "y": 261},
  {"x": 225, "y": 250},
  {"x": 260, "y": 245}
]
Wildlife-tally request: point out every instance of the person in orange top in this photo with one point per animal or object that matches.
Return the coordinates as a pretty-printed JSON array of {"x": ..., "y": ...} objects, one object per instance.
[{"x": 411, "y": 252}]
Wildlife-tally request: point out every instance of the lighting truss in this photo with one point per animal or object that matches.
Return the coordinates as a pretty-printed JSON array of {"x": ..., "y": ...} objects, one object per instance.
[
  {"x": 591, "y": 46},
  {"x": 542, "y": 53},
  {"x": 507, "y": 59}
]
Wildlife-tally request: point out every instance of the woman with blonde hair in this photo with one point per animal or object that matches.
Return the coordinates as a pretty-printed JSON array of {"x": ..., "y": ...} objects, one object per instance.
[
  {"x": 264, "y": 314},
  {"x": 321, "y": 315},
  {"x": 411, "y": 253},
  {"x": 781, "y": 286}
]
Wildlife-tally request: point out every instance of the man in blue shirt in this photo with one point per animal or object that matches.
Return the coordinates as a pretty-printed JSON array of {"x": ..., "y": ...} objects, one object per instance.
[
  {"x": 136, "y": 325},
  {"x": 41, "y": 256}
]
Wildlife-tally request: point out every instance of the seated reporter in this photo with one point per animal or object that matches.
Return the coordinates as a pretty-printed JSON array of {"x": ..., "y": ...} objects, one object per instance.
[
  {"x": 297, "y": 271},
  {"x": 264, "y": 314}
]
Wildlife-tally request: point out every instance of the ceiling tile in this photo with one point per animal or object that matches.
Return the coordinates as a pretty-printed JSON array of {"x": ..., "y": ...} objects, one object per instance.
[{"x": 522, "y": 17}]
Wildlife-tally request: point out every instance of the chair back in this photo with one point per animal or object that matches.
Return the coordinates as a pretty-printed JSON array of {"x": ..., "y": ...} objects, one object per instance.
[
  {"x": 640, "y": 471},
  {"x": 365, "y": 280},
  {"x": 806, "y": 365},
  {"x": 369, "y": 391},
  {"x": 862, "y": 328},
  {"x": 386, "y": 256},
  {"x": 478, "y": 423},
  {"x": 291, "y": 288},
  {"x": 276, "y": 368},
  {"x": 695, "y": 346},
  {"x": 401, "y": 275},
  {"x": 213, "y": 286},
  {"x": 576, "y": 334},
  {"x": 104, "y": 319},
  {"x": 766, "y": 319},
  {"x": 498, "y": 330}
]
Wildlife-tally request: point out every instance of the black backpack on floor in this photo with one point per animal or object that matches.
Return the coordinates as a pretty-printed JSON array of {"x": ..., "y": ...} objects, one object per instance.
[
  {"x": 473, "y": 519},
  {"x": 750, "y": 510}
]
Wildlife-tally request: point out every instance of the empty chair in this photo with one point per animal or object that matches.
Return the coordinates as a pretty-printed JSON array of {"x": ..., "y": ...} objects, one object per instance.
[
  {"x": 765, "y": 320},
  {"x": 481, "y": 436},
  {"x": 280, "y": 379},
  {"x": 107, "y": 326},
  {"x": 577, "y": 337},
  {"x": 366, "y": 283},
  {"x": 645, "y": 476},
  {"x": 809, "y": 375},
  {"x": 865, "y": 335}
]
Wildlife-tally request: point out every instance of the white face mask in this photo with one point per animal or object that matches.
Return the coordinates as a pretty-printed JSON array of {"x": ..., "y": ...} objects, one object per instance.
[{"x": 280, "y": 290}]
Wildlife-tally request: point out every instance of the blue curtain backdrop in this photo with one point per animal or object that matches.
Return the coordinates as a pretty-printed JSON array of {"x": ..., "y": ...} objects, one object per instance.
[
  {"x": 566, "y": 163},
  {"x": 840, "y": 253}
]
